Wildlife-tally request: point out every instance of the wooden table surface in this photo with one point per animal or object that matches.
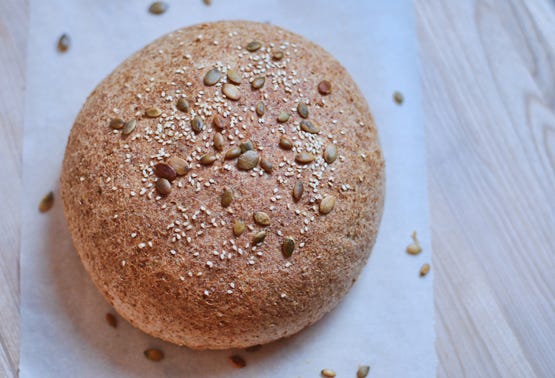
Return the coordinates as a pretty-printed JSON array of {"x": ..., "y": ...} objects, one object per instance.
[{"x": 488, "y": 83}]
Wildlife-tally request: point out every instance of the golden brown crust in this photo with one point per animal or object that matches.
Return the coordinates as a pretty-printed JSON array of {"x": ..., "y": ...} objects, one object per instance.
[{"x": 172, "y": 265}]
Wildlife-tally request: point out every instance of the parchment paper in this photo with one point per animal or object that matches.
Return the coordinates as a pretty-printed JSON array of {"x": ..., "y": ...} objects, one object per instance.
[{"x": 386, "y": 321}]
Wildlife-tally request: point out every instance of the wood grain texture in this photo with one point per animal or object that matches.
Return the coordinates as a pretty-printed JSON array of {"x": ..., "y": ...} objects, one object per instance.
[
  {"x": 13, "y": 42},
  {"x": 488, "y": 78}
]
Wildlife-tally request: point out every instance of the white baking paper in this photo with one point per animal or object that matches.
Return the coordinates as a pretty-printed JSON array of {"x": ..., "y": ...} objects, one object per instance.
[{"x": 386, "y": 321}]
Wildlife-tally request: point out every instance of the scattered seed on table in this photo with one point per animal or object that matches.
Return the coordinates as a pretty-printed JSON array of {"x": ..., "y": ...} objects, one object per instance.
[
  {"x": 328, "y": 373},
  {"x": 425, "y": 269},
  {"x": 153, "y": 354},
  {"x": 158, "y": 7},
  {"x": 117, "y": 123},
  {"x": 238, "y": 361},
  {"x": 324, "y": 87},
  {"x": 414, "y": 248},
  {"x": 46, "y": 202},
  {"x": 363, "y": 371},
  {"x": 327, "y": 204},
  {"x": 63, "y": 43},
  {"x": 111, "y": 320},
  {"x": 212, "y": 77},
  {"x": 398, "y": 98}
]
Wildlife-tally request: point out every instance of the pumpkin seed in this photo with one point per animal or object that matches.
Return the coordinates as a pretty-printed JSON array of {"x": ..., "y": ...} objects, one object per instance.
[
  {"x": 288, "y": 246},
  {"x": 233, "y": 77},
  {"x": 179, "y": 165},
  {"x": 283, "y": 117},
  {"x": 302, "y": 109},
  {"x": 219, "y": 142},
  {"x": 260, "y": 109},
  {"x": 277, "y": 55},
  {"x": 304, "y": 158},
  {"x": 111, "y": 320},
  {"x": 212, "y": 77},
  {"x": 266, "y": 165},
  {"x": 153, "y": 112},
  {"x": 232, "y": 153},
  {"x": 218, "y": 123},
  {"x": 158, "y": 7},
  {"x": 163, "y": 186},
  {"x": 258, "y": 82},
  {"x": 63, "y": 43},
  {"x": 398, "y": 98},
  {"x": 363, "y": 371},
  {"x": 154, "y": 354},
  {"x": 259, "y": 237},
  {"x": 324, "y": 87},
  {"x": 231, "y": 92},
  {"x": 166, "y": 171},
  {"x": 298, "y": 190},
  {"x": 238, "y": 361},
  {"x": 262, "y": 218},
  {"x": 253, "y": 46},
  {"x": 208, "y": 159},
  {"x": 227, "y": 198},
  {"x": 46, "y": 202},
  {"x": 309, "y": 127},
  {"x": 238, "y": 227},
  {"x": 327, "y": 204},
  {"x": 246, "y": 146},
  {"x": 117, "y": 123},
  {"x": 129, "y": 127},
  {"x": 285, "y": 143},
  {"x": 425, "y": 269},
  {"x": 330, "y": 153},
  {"x": 182, "y": 105},
  {"x": 197, "y": 125},
  {"x": 248, "y": 160},
  {"x": 328, "y": 373}
]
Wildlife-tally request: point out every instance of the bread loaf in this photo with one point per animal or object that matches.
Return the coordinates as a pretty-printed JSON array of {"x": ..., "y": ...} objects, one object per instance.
[{"x": 224, "y": 185}]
